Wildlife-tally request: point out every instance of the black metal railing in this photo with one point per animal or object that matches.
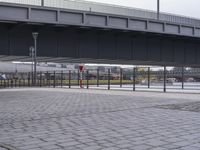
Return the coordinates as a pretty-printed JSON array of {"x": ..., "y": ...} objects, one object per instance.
[{"x": 138, "y": 78}]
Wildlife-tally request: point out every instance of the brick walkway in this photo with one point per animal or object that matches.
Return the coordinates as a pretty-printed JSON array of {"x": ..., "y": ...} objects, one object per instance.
[{"x": 64, "y": 119}]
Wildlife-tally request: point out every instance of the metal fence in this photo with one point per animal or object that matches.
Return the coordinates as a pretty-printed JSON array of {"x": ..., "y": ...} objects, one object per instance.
[
  {"x": 110, "y": 9},
  {"x": 132, "y": 79}
]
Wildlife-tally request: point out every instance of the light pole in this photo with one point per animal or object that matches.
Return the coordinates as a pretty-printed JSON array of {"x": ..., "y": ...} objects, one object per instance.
[
  {"x": 42, "y": 3},
  {"x": 158, "y": 9},
  {"x": 35, "y": 36}
]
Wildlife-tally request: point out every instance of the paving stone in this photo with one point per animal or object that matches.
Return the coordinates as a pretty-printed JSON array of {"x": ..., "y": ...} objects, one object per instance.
[{"x": 59, "y": 119}]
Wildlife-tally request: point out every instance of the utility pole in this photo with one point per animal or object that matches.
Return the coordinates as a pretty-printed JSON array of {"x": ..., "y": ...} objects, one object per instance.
[{"x": 158, "y": 9}]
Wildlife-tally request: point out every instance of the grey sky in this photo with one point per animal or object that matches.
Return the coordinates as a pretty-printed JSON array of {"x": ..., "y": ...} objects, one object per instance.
[{"x": 182, "y": 7}]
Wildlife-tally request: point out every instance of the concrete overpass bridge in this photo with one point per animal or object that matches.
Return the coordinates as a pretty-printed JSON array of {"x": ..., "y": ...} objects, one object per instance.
[{"x": 71, "y": 31}]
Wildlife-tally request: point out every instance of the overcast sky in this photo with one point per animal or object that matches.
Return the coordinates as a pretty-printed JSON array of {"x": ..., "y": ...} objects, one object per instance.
[{"x": 189, "y": 8}]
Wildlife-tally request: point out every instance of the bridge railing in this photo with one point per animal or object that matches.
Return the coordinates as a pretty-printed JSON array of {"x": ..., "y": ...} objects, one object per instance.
[
  {"x": 26, "y": 2},
  {"x": 108, "y": 8}
]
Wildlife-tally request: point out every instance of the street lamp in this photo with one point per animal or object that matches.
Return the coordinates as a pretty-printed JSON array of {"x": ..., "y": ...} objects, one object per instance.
[
  {"x": 158, "y": 9},
  {"x": 35, "y": 36},
  {"x": 42, "y": 3}
]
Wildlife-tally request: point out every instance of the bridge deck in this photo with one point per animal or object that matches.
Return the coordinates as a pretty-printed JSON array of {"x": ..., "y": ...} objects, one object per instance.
[{"x": 100, "y": 16}]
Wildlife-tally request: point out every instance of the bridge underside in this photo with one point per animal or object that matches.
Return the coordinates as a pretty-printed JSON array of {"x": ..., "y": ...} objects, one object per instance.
[{"x": 93, "y": 45}]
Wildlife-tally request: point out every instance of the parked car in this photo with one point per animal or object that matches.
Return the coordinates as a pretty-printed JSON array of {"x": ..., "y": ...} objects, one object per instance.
[{"x": 2, "y": 77}]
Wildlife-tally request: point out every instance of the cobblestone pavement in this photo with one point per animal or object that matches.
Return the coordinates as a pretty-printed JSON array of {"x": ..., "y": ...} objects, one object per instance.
[{"x": 73, "y": 119}]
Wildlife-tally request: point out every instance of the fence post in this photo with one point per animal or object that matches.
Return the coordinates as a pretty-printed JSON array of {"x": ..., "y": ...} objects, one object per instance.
[
  {"x": 61, "y": 79},
  {"x": 97, "y": 77},
  {"x": 19, "y": 82},
  {"x": 182, "y": 73},
  {"x": 15, "y": 82},
  {"x": 24, "y": 82},
  {"x": 134, "y": 77},
  {"x": 149, "y": 77},
  {"x": 1, "y": 84},
  {"x": 8, "y": 83},
  {"x": 121, "y": 78},
  {"x": 32, "y": 78},
  {"x": 69, "y": 78},
  {"x": 29, "y": 79},
  {"x": 4, "y": 83},
  {"x": 40, "y": 79},
  {"x": 87, "y": 79},
  {"x": 78, "y": 77},
  {"x": 47, "y": 78},
  {"x": 164, "y": 89},
  {"x": 108, "y": 79},
  {"x": 54, "y": 81}
]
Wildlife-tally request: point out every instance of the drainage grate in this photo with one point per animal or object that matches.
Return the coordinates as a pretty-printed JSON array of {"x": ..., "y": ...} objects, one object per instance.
[{"x": 6, "y": 147}]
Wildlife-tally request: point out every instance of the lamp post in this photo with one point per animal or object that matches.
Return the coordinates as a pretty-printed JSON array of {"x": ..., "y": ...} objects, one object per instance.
[
  {"x": 158, "y": 9},
  {"x": 42, "y": 3},
  {"x": 35, "y": 36}
]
